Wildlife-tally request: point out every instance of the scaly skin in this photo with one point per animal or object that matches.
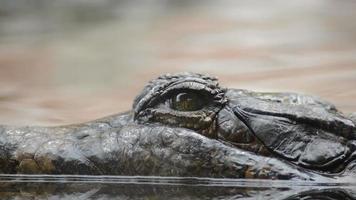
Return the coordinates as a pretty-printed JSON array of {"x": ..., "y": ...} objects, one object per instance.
[
  {"x": 223, "y": 138},
  {"x": 117, "y": 146}
]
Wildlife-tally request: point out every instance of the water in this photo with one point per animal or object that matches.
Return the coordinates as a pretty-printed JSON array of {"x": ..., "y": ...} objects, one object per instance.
[
  {"x": 64, "y": 62},
  {"x": 121, "y": 187},
  {"x": 60, "y": 58}
]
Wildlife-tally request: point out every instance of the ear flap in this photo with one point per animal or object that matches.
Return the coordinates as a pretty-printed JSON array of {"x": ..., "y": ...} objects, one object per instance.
[{"x": 299, "y": 143}]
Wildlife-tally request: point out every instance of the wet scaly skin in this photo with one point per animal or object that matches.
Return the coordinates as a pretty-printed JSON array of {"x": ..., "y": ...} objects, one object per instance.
[{"x": 187, "y": 125}]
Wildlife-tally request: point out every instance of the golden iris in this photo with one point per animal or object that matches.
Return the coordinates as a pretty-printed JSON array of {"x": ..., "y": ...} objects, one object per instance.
[{"x": 187, "y": 101}]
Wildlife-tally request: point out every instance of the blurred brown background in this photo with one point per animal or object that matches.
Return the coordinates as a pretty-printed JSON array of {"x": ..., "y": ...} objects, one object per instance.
[{"x": 68, "y": 61}]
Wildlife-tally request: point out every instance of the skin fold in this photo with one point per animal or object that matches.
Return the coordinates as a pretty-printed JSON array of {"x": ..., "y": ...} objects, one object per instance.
[{"x": 187, "y": 125}]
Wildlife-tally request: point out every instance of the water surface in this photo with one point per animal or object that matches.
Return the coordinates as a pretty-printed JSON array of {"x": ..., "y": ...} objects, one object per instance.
[{"x": 121, "y": 187}]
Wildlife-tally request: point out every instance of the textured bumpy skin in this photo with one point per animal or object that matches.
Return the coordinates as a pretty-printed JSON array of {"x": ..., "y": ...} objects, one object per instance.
[
  {"x": 235, "y": 133},
  {"x": 108, "y": 146}
]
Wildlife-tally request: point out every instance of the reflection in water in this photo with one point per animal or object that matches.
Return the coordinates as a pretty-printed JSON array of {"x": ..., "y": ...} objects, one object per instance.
[
  {"x": 27, "y": 187},
  {"x": 327, "y": 194}
]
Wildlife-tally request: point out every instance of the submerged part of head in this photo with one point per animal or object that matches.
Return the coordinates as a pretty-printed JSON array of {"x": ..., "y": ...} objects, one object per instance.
[{"x": 300, "y": 129}]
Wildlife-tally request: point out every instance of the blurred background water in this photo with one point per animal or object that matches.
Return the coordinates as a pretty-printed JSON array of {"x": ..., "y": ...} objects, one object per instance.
[{"x": 68, "y": 61}]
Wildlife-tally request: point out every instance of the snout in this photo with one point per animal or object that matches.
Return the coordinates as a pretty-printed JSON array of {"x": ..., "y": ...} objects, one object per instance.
[{"x": 281, "y": 127}]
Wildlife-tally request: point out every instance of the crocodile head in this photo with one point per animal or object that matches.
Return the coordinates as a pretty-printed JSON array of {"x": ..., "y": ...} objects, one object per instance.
[
  {"x": 302, "y": 130},
  {"x": 187, "y": 125}
]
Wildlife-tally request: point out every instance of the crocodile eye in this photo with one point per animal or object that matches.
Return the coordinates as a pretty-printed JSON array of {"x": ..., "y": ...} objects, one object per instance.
[{"x": 187, "y": 101}]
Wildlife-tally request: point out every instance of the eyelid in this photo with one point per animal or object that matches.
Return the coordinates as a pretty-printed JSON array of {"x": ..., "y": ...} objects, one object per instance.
[
  {"x": 187, "y": 86},
  {"x": 172, "y": 94},
  {"x": 192, "y": 86},
  {"x": 155, "y": 95}
]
